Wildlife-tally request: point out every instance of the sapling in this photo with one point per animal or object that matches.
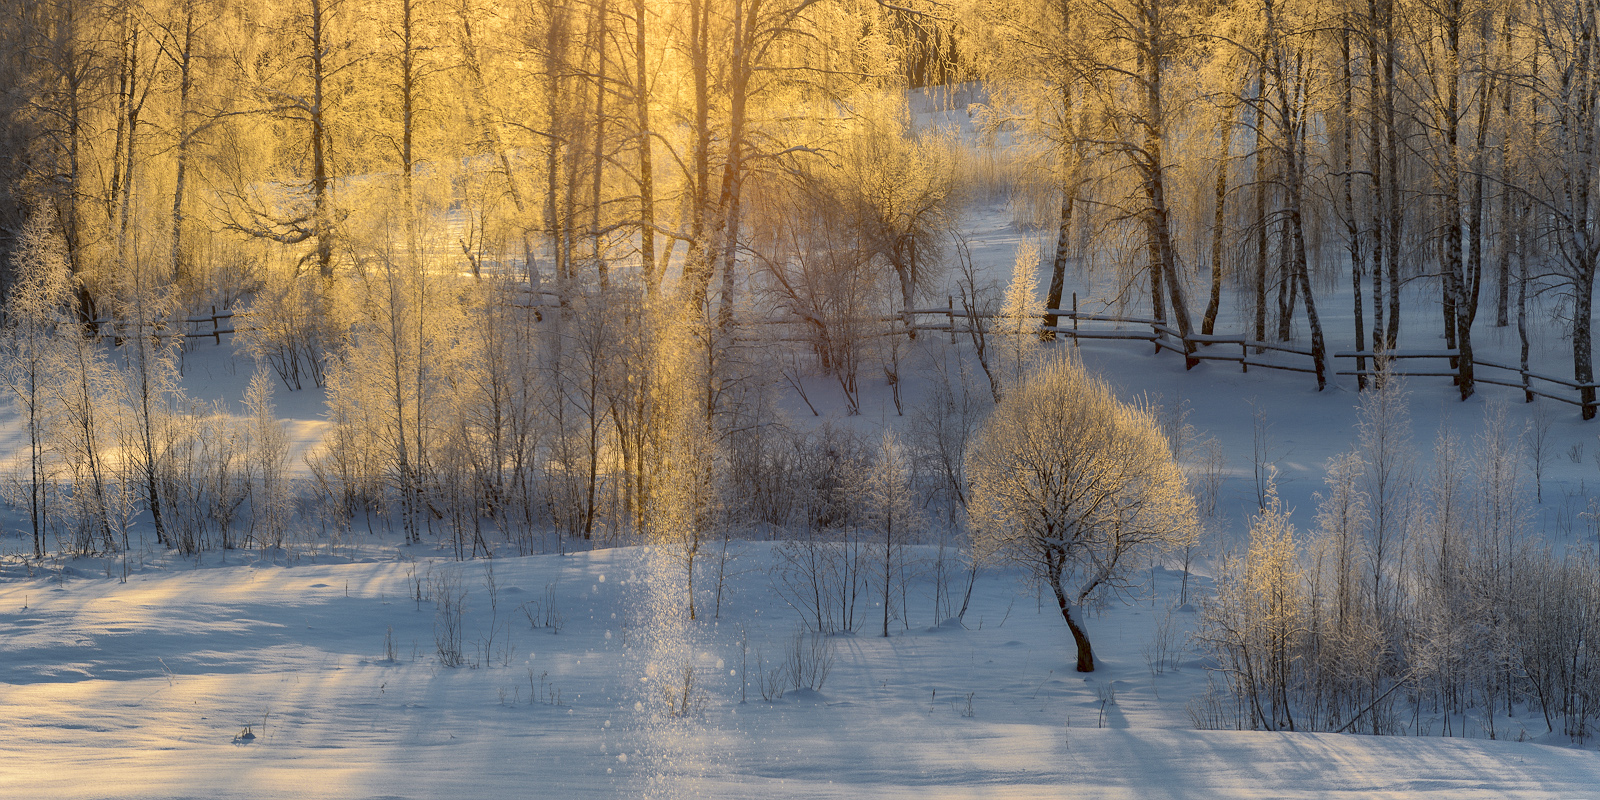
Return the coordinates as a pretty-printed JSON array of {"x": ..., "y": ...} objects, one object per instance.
[
  {"x": 978, "y": 305},
  {"x": 1536, "y": 444},
  {"x": 449, "y": 602},
  {"x": 891, "y": 369},
  {"x": 1020, "y": 315},
  {"x": 1262, "y": 451},
  {"x": 267, "y": 460},
  {"x": 493, "y": 590},
  {"x": 1106, "y": 692},
  {"x": 744, "y": 664},
  {"x": 891, "y": 510},
  {"x": 810, "y": 659},
  {"x": 682, "y": 696},
  {"x": 1160, "y": 653},
  {"x": 770, "y": 679},
  {"x": 29, "y": 350}
]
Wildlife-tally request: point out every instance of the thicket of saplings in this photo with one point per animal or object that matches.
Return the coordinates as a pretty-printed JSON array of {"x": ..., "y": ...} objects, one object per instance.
[
  {"x": 1414, "y": 603},
  {"x": 460, "y": 415}
]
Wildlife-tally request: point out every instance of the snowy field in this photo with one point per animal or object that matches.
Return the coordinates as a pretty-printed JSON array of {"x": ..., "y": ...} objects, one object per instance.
[
  {"x": 327, "y": 653},
  {"x": 139, "y": 690}
]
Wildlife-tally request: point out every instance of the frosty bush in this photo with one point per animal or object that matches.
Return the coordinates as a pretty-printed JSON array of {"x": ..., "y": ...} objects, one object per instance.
[{"x": 1255, "y": 626}]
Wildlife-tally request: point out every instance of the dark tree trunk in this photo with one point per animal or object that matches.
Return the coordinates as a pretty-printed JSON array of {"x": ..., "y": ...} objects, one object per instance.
[
  {"x": 1069, "y": 196},
  {"x": 698, "y": 261},
  {"x": 1058, "y": 267},
  {"x": 1291, "y": 131},
  {"x": 1391, "y": 187},
  {"x": 322, "y": 208},
  {"x": 1504, "y": 234},
  {"x": 602, "y": 15},
  {"x": 184, "y": 57},
  {"x": 1522, "y": 304},
  {"x": 1158, "y": 308},
  {"x": 1459, "y": 291},
  {"x": 1358, "y": 263},
  {"x": 1208, "y": 325},
  {"x": 1582, "y": 338},
  {"x": 641, "y": 108},
  {"x": 555, "y": 145},
  {"x": 1261, "y": 215},
  {"x": 1288, "y": 283},
  {"x": 1080, "y": 637}
]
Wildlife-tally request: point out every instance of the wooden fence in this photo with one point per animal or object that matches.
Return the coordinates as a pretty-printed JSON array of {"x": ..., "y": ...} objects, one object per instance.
[
  {"x": 1531, "y": 383},
  {"x": 1081, "y": 326},
  {"x": 194, "y": 327},
  {"x": 1085, "y": 325}
]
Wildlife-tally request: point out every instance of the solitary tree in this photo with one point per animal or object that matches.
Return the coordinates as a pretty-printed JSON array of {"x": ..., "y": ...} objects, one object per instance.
[{"x": 1074, "y": 486}]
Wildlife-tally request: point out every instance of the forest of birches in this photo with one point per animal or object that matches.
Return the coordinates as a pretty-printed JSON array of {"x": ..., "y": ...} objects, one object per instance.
[{"x": 555, "y": 262}]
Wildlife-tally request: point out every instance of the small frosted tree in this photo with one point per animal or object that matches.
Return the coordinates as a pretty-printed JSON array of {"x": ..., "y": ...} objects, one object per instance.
[
  {"x": 268, "y": 464},
  {"x": 84, "y": 401},
  {"x": 1076, "y": 487},
  {"x": 1255, "y": 626},
  {"x": 890, "y": 509},
  {"x": 1020, "y": 315},
  {"x": 1384, "y": 445},
  {"x": 29, "y": 354},
  {"x": 149, "y": 388},
  {"x": 1343, "y": 641},
  {"x": 682, "y": 505}
]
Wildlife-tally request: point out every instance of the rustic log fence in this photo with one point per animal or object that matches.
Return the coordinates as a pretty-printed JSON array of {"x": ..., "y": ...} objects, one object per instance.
[
  {"x": 1531, "y": 383},
  {"x": 1081, "y": 325},
  {"x": 192, "y": 327},
  {"x": 1160, "y": 335}
]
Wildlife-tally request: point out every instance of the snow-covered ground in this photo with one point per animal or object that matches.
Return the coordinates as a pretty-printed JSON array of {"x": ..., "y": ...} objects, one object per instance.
[
  {"x": 328, "y": 652},
  {"x": 140, "y": 689}
]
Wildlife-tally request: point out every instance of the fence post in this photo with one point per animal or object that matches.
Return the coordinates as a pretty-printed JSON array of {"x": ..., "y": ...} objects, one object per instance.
[
  {"x": 1074, "y": 319},
  {"x": 950, "y": 315}
]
